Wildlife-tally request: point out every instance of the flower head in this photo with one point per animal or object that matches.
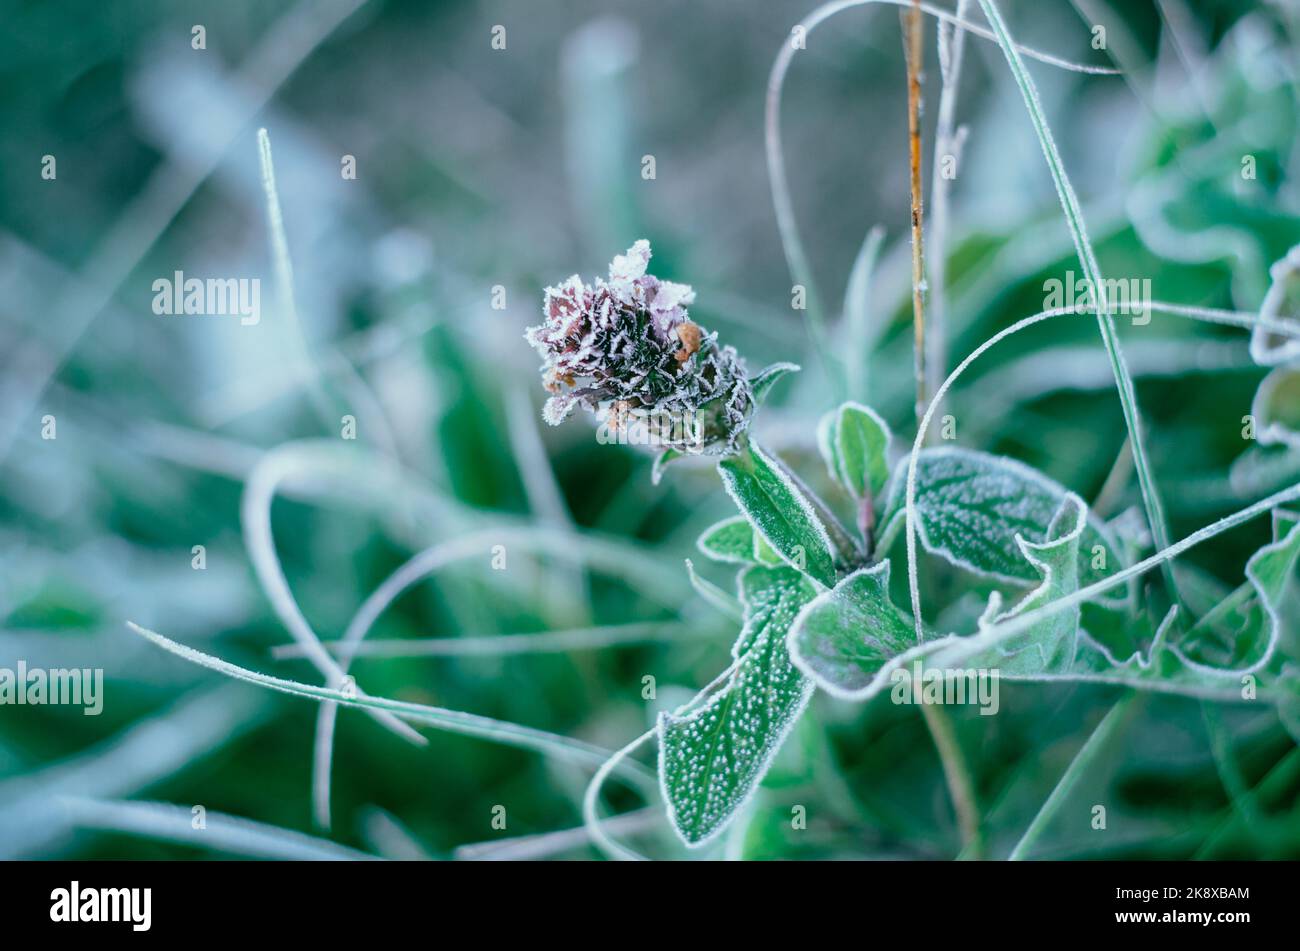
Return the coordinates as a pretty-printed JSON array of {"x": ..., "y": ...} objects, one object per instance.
[{"x": 626, "y": 350}]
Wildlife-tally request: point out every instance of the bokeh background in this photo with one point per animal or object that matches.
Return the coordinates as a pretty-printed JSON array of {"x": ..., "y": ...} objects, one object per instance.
[{"x": 480, "y": 168}]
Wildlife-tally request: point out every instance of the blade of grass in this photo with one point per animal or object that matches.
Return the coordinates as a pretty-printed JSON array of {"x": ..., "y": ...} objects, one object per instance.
[
  {"x": 538, "y": 540},
  {"x": 714, "y": 595},
  {"x": 289, "y": 42},
  {"x": 255, "y": 512},
  {"x": 368, "y": 406},
  {"x": 453, "y": 721},
  {"x": 1111, "y": 725},
  {"x": 1241, "y": 800},
  {"x": 549, "y": 844},
  {"x": 948, "y": 142},
  {"x": 1275, "y": 785},
  {"x": 545, "y": 498},
  {"x": 220, "y": 832},
  {"x": 956, "y": 772},
  {"x": 142, "y": 754},
  {"x": 860, "y": 335},
  {"x": 389, "y": 838},
  {"x": 600, "y": 637},
  {"x": 1092, "y": 271}
]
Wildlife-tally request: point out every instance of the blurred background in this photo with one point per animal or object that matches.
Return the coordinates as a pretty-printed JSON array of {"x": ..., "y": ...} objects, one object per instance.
[{"x": 483, "y": 174}]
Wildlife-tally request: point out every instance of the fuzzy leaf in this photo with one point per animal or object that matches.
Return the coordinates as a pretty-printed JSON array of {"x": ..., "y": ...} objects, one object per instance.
[
  {"x": 1276, "y": 408},
  {"x": 731, "y": 540},
  {"x": 661, "y": 462},
  {"x": 854, "y": 442},
  {"x": 764, "y": 553},
  {"x": 712, "y": 758},
  {"x": 1281, "y": 304},
  {"x": 1166, "y": 666},
  {"x": 1241, "y": 632},
  {"x": 1188, "y": 666},
  {"x": 846, "y": 635},
  {"x": 972, "y": 506},
  {"x": 1052, "y": 642},
  {"x": 779, "y": 512},
  {"x": 762, "y": 382}
]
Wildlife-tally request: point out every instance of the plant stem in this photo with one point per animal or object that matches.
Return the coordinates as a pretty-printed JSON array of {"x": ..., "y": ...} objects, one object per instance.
[
  {"x": 961, "y": 788},
  {"x": 1112, "y": 723},
  {"x": 955, "y": 770},
  {"x": 914, "y": 50}
]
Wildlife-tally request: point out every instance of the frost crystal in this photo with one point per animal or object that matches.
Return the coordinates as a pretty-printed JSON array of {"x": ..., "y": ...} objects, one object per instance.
[{"x": 626, "y": 350}]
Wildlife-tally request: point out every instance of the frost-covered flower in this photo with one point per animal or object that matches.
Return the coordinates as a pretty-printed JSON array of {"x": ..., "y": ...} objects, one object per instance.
[{"x": 625, "y": 349}]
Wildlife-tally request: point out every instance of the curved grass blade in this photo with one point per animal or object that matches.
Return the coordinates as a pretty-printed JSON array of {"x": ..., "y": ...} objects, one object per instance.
[{"x": 455, "y": 721}]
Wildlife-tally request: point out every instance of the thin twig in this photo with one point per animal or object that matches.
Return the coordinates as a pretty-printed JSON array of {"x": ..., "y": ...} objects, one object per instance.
[
  {"x": 956, "y": 772},
  {"x": 914, "y": 50}
]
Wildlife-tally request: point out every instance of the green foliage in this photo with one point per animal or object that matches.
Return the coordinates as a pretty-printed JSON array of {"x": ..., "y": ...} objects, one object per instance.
[
  {"x": 764, "y": 380},
  {"x": 162, "y": 422},
  {"x": 845, "y": 637},
  {"x": 988, "y": 515},
  {"x": 779, "y": 511},
  {"x": 711, "y": 759},
  {"x": 731, "y": 540},
  {"x": 975, "y": 509},
  {"x": 854, "y": 442}
]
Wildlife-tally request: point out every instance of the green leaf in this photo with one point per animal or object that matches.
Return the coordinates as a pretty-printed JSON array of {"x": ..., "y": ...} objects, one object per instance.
[
  {"x": 1184, "y": 667},
  {"x": 661, "y": 462},
  {"x": 854, "y": 441},
  {"x": 712, "y": 758},
  {"x": 1051, "y": 643},
  {"x": 762, "y": 382},
  {"x": 1281, "y": 303},
  {"x": 764, "y": 553},
  {"x": 779, "y": 512},
  {"x": 1242, "y": 630},
  {"x": 850, "y": 640},
  {"x": 1276, "y": 408},
  {"x": 731, "y": 540},
  {"x": 972, "y": 507},
  {"x": 844, "y": 637}
]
